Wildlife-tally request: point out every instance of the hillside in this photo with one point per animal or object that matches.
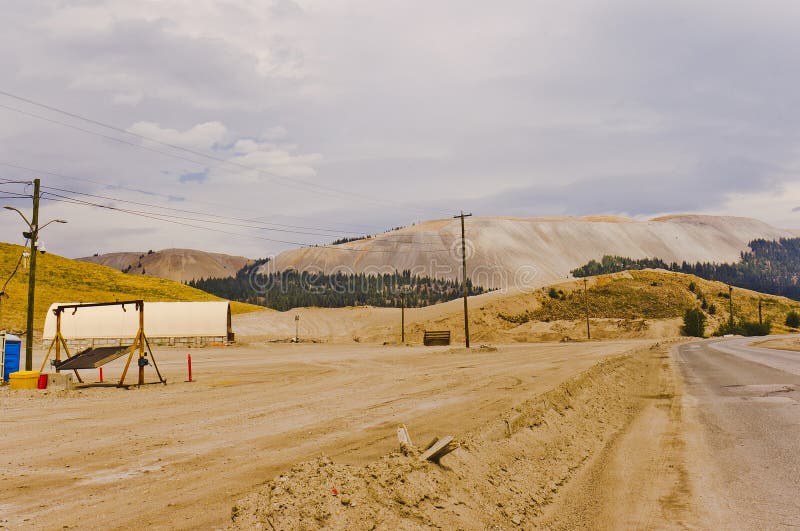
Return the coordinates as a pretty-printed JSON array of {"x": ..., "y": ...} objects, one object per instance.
[
  {"x": 180, "y": 265},
  {"x": 634, "y": 304},
  {"x": 534, "y": 251},
  {"x": 770, "y": 267},
  {"x": 63, "y": 280}
]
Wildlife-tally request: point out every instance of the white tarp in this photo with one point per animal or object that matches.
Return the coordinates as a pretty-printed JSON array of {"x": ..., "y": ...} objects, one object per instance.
[{"x": 161, "y": 319}]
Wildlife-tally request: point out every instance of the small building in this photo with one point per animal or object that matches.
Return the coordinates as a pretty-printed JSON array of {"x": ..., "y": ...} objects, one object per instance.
[{"x": 165, "y": 323}]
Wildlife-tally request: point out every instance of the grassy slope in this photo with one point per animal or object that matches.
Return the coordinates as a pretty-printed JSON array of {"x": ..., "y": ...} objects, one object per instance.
[
  {"x": 650, "y": 295},
  {"x": 60, "y": 279}
]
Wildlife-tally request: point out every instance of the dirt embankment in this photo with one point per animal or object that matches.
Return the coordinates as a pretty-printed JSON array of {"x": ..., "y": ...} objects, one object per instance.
[
  {"x": 782, "y": 343},
  {"x": 544, "y": 463}
]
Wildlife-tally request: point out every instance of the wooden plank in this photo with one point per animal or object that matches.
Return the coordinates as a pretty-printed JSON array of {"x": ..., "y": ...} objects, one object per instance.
[
  {"x": 438, "y": 450},
  {"x": 428, "y": 446},
  {"x": 436, "y": 337},
  {"x": 404, "y": 437}
]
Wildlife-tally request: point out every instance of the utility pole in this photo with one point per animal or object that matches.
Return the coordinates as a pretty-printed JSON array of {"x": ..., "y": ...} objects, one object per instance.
[
  {"x": 760, "y": 316},
  {"x": 34, "y": 234},
  {"x": 586, "y": 303},
  {"x": 700, "y": 329},
  {"x": 464, "y": 267},
  {"x": 730, "y": 301},
  {"x": 297, "y": 329},
  {"x": 402, "y": 318}
]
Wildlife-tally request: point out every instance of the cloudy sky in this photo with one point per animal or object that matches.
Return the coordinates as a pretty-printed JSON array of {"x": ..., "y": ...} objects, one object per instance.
[{"x": 329, "y": 118}]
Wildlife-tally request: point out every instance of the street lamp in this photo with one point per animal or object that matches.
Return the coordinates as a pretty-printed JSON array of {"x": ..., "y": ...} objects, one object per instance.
[
  {"x": 32, "y": 234},
  {"x": 28, "y": 223}
]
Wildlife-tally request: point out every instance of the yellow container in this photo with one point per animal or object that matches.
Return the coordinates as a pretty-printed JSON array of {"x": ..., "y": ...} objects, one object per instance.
[{"x": 24, "y": 379}]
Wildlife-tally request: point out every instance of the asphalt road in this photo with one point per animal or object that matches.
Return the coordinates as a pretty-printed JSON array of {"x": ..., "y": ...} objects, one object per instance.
[{"x": 741, "y": 404}]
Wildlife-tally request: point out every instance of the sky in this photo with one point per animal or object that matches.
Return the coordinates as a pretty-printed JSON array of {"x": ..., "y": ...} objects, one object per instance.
[{"x": 256, "y": 126}]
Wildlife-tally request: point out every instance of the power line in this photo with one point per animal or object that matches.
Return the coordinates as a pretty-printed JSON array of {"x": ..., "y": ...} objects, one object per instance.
[
  {"x": 140, "y": 146},
  {"x": 14, "y": 272},
  {"x": 215, "y": 216},
  {"x": 272, "y": 176},
  {"x": 171, "y": 197},
  {"x": 169, "y": 219},
  {"x": 216, "y": 221}
]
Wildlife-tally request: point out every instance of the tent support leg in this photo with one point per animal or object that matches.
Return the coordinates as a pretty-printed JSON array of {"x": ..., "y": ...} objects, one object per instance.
[
  {"x": 160, "y": 378},
  {"x": 127, "y": 364},
  {"x": 47, "y": 356}
]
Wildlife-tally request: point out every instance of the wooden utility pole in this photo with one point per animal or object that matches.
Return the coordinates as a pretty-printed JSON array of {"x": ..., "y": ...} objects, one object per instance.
[
  {"x": 730, "y": 301},
  {"x": 760, "y": 316},
  {"x": 586, "y": 303},
  {"x": 34, "y": 234},
  {"x": 464, "y": 267},
  {"x": 297, "y": 329},
  {"x": 402, "y": 318}
]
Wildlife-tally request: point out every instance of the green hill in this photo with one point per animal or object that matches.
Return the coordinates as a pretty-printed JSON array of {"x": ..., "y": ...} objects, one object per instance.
[
  {"x": 646, "y": 294},
  {"x": 60, "y": 279}
]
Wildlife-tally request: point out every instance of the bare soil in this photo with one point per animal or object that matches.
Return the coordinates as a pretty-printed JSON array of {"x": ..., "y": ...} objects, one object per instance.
[
  {"x": 781, "y": 343},
  {"x": 603, "y": 450},
  {"x": 181, "y": 455}
]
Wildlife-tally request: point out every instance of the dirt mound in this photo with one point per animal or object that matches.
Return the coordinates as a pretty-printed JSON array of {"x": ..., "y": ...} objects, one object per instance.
[
  {"x": 533, "y": 251},
  {"x": 636, "y": 304},
  {"x": 180, "y": 265},
  {"x": 510, "y": 472}
]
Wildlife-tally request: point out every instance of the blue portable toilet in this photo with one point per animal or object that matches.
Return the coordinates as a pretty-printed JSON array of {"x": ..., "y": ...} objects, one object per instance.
[{"x": 11, "y": 355}]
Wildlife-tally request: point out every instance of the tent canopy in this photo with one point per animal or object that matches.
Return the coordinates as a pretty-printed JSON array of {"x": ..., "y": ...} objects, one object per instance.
[{"x": 161, "y": 319}]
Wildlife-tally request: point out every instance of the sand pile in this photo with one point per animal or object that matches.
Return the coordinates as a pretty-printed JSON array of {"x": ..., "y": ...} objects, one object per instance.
[
  {"x": 509, "y": 473},
  {"x": 647, "y": 304},
  {"x": 533, "y": 252},
  {"x": 180, "y": 265}
]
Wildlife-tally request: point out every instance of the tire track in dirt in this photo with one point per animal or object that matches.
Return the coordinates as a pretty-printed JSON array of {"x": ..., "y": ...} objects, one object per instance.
[{"x": 550, "y": 462}]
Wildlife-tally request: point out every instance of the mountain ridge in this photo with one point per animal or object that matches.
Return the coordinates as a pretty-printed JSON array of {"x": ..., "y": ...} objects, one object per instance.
[
  {"x": 533, "y": 252},
  {"x": 180, "y": 265}
]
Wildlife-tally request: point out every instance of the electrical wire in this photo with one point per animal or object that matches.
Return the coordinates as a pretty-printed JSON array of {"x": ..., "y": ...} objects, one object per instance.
[
  {"x": 215, "y": 221},
  {"x": 272, "y": 176},
  {"x": 155, "y": 194},
  {"x": 217, "y": 217},
  {"x": 170, "y": 219},
  {"x": 14, "y": 272}
]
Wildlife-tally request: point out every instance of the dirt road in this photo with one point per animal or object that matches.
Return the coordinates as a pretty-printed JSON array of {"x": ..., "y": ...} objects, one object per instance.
[
  {"x": 179, "y": 456},
  {"x": 743, "y": 427}
]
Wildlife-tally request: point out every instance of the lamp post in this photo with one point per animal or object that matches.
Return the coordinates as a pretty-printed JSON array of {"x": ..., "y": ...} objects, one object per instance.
[{"x": 33, "y": 235}]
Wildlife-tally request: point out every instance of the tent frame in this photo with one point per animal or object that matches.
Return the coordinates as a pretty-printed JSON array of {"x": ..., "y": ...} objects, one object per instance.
[{"x": 140, "y": 342}]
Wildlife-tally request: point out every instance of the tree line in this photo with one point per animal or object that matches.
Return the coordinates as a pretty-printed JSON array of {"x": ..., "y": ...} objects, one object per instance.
[
  {"x": 770, "y": 266},
  {"x": 295, "y": 289}
]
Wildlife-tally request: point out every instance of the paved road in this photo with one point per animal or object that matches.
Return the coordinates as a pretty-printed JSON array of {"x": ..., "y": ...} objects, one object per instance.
[{"x": 745, "y": 457}]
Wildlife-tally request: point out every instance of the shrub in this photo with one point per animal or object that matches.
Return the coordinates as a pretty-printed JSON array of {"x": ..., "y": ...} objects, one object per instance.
[
  {"x": 793, "y": 319},
  {"x": 754, "y": 328},
  {"x": 553, "y": 294},
  {"x": 694, "y": 323},
  {"x": 745, "y": 328},
  {"x": 712, "y": 309}
]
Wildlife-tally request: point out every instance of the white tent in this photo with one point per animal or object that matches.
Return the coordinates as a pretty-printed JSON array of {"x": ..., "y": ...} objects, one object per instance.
[{"x": 161, "y": 320}]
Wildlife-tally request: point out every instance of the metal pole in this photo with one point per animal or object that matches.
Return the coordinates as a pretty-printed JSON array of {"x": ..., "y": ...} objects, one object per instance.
[
  {"x": 760, "y": 316},
  {"x": 141, "y": 344},
  {"x": 464, "y": 271},
  {"x": 701, "y": 332},
  {"x": 32, "y": 278},
  {"x": 586, "y": 303},
  {"x": 402, "y": 318},
  {"x": 730, "y": 300}
]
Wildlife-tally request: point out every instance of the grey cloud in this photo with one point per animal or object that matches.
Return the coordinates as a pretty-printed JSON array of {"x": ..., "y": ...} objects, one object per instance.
[{"x": 540, "y": 107}]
